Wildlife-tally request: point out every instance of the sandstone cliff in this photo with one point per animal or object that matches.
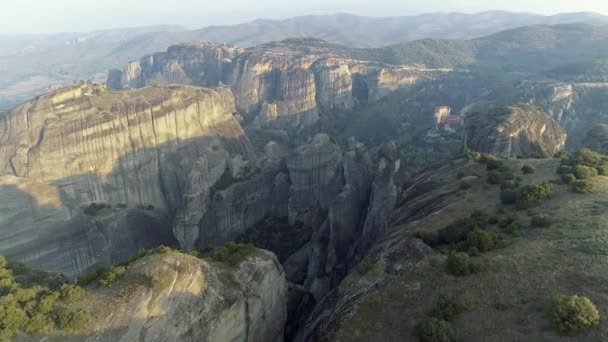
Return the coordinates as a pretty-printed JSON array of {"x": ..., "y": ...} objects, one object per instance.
[
  {"x": 578, "y": 107},
  {"x": 512, "y": 131},
  {"x": 162, "y": 148},
  {"x": 285, "y": 84}
]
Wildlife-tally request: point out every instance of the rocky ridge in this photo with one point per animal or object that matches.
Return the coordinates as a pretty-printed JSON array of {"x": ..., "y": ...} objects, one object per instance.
[{"x": 285, "y": 84}]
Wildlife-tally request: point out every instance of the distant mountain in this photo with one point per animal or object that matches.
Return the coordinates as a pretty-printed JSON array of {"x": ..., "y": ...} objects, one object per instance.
[
  {"x": 356, "y": 31},
  {"x": 30, "y": 65}
]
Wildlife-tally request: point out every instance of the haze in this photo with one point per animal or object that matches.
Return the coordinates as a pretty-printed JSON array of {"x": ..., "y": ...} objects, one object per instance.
[{"x": 41, "y": 16}]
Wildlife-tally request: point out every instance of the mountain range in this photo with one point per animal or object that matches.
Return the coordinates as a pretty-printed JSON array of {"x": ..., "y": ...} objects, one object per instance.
[{"x": 32, "y": 64}]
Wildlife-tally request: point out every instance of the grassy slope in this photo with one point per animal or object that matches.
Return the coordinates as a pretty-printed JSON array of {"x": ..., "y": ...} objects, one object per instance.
[{"x": 520, "y": 278}]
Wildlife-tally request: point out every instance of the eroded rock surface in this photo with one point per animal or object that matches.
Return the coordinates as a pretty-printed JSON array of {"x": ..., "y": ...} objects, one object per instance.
[
  {"x": 177, "y": 297},
  {"x": 284, "y": 84},
  {"x": 163, "y": 148},
  {"x": 512, "y": 131}
]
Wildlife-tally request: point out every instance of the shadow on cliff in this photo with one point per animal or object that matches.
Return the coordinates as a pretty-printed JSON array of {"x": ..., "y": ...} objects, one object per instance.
[{"x": 97, "y": 220}]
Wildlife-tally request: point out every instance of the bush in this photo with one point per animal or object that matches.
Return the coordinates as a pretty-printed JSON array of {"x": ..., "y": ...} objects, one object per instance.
[
  {"x": 71, "y": 320},
  {"x": 499, "y": 176},
  {"x": 582, "y": 186},
  {"x": 71, "y": 293},
  {"x": 508, "y": 196},
  {"x": 36, "y": 323},
  {"x": 90, "y": 277},
  {"x": 564, "y": 169},
  {"x": 112, "y": 276},
  {"x": 531, "y": 195},
  {"x": 510, "y": 225},
  {"x": 448, "y": 307},
  {"x": 573, "y": 313},
  {"x": 483, "y": 240},
  {"x": 527, "y": 170},
  {"x": 435, "y": 330},
  {"x": 461, "y": 264},
  {"x": 541, "y": 221},
  {"x": 587, "y": 157},
  {"x": 233, "y": 253},
  {"x": 465, "y": 185},
  {"x": 12, "y": 318},
  {"x": 493, "y": 220},
  {"x": 568, "y": 178},
  {"x": 584, "y": 172}
]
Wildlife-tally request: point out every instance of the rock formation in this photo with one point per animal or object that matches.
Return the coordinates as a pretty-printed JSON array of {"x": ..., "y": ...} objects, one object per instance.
[
  {"x": 285, "y": 84},
  {"x": 158, "y": 147},
  {"x": 512, "y": 131},
  {"x": 578, "y": 107},
  {"x": 177, "y": 297},
  {"x": 597, "y": 139}
]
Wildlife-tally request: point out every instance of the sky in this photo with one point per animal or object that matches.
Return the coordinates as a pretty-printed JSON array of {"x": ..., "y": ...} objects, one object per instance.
[{"x": 51, "y": 16}]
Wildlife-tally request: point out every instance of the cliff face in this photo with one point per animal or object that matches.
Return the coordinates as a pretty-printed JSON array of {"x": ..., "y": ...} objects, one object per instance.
[
  {"x": 158, "y": 147},
  {"x": 597, "y": 139},
  {"x": 280, "y": 84},
  {"x": 578, "y": 107},
  {"x": 512, "y": 131}
]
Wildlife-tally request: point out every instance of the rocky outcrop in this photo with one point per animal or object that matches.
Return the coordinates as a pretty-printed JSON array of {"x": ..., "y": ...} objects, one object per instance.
[
  {"x": 177, "y": 297},
  {"x": 392, "y": 255},
  {"x": 513, "y": 131},
  {"x": 578, "y": 107},
  {"x": 597, "y": 139},
  {"x": 164, "y": 148},
  {"x": 285, "y": 84}
]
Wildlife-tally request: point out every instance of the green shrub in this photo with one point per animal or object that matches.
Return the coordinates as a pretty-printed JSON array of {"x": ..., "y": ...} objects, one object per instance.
[
  {"x": 461, "y": 264},
  {"x": 527, "y": 170},
  {"x": 71, "y": 293},
  {"x": 510, "y": 225},
  {"x": 465, "y": 185},
  {"x": 448, "y": 307},
  {"x": 493, "y": 220},
  {"x": 541, "y": 221},
  {"x": 12, "y": 318},
  {"x": 485, "y": 158},
  {"x": 573, "y": 313},
  {"x": 568, "y": 178},
  {"x": 602, "y": 170},
  {"x": 3, "y": 262},
  {"x": 508, "y": 196},
  {"x": 435, "y": 330},
  {"x": 46, "y": 302},
  {"x": 499, "y": 176},
  {"x": 587, "y": 157},
  {"x": 483, "y": 240},
  {"x": 71, "y": 320},
  {"x": 531, "y": 195},
  {"x": 36, "y": 323},
  {"x": 90, "y": 277},
  {"x": 564, "y": 169},
  {"x": 112, "y": 275},
  {"x": 582, "y": 186},
  {"x": 233, "y": 253},
  {"x": 584, "y": 172}
]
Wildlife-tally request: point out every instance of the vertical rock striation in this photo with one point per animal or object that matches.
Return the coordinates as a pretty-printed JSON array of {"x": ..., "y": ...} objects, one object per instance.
[{"x": 286, "y": 84}]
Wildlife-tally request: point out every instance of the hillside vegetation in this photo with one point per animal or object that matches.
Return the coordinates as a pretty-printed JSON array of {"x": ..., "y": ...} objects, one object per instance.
[{"x": 528, "y": 269}]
